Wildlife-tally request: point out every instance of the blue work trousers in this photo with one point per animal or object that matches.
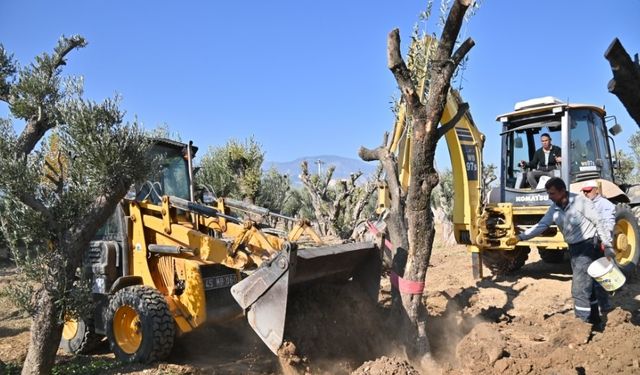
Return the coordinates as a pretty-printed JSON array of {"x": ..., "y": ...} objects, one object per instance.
[{"x": 589, "y": 298}]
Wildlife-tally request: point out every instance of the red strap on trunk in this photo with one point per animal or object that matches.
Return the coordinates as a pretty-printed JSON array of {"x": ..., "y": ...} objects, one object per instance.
[
  {"x": 406, "y": 286},
  {"x": 372, "y": 228}
]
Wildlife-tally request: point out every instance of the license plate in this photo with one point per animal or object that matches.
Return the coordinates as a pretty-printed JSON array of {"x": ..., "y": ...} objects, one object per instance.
[{"x": 218, "y": 282}]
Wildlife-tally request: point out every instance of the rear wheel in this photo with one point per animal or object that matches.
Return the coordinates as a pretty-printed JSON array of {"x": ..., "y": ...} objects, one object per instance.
[
  {"x": 626, "y": 239},
  {"x": 140, "y": 327},
  {"x": 552, "y": 256},
  {"x": 79, "y": 336},
  {"x": 502, "y": 262}
]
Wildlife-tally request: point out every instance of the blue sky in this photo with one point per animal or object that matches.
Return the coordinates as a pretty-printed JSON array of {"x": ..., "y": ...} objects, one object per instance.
[{"x": 310, "y": 78}]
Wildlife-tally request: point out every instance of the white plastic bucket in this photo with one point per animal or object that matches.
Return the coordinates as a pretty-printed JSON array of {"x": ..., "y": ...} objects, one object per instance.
[{"x": 607, "y": 274}]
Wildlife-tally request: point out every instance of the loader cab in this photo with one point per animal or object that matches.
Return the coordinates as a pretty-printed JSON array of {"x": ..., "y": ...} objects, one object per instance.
[
  {"x": 173, "y": 177},
  {"x": 578, "y": 130}
]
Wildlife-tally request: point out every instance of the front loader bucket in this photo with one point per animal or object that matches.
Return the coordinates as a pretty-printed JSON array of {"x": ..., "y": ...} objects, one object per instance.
[{"x": 263, "y": 295}]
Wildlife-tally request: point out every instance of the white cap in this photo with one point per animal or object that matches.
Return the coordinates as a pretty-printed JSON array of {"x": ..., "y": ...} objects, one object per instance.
[{"x": 590, "y": 185}]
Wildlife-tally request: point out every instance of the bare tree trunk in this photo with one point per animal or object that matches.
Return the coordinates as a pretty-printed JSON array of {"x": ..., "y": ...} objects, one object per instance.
[
  {"x": 46, "y": 324},
  {"x": 626, "y": 78},
  {"x": 46, "y": 331},
  {"x": 416, "y": 242}
]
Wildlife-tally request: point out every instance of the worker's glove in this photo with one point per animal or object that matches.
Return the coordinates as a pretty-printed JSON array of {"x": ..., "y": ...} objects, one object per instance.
[
  {"x": 511, "y": 241},
  {"x": 609, "y": 252}
]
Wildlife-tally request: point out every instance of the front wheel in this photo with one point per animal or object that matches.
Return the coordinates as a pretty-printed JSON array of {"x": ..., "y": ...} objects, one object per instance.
[
  {"x": 552, "y": 256},
  {"x": 502, "y": 262},
  {"x": 79, "y": 336},
  {"x": 140, "y": 327},
  {"x": 626, "y": 239}
]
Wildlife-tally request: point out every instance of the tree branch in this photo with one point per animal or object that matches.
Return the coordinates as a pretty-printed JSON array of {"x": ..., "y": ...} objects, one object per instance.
[
  {"x": 65, "y": 45},
  {"x": 37, "y": 206},
  {"x": 626, "y": 78},
  {"x": 369, "y": 188},
  {"x": 38, "y": 125},
  {"x": 452, "y": 27},
  {"x": 396, "y": 64},
  {"x": 327, "y": 179},
  {"x": 101, "y": 208},
  {"x": 462, "y": 51}
]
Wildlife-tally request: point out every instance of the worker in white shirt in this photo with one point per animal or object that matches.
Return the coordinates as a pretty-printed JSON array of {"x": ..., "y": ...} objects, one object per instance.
[{"x": 580, "y": 224}]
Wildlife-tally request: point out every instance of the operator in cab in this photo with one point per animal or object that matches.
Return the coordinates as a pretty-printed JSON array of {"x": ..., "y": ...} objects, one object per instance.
[
  {"x": 545, "y": 160},
  {"x": 581, "y": 225}
]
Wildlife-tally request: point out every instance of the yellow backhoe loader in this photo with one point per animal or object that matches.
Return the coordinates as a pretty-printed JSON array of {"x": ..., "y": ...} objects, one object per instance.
[
  {"x": 484, "y": 220},
  {"x": 164, "y": 265},
  {"x": 588, "y": 154}
]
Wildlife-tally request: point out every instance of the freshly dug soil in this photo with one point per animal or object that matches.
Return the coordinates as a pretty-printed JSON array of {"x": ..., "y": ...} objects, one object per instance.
[
  {"x": 519, "y": 324},
  {"x": 386, "y": 366},
  {"x": 334, "y": 328}
]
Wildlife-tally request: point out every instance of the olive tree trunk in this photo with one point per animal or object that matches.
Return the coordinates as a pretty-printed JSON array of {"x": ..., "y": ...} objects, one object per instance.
[{"x": 410, "y": 220}]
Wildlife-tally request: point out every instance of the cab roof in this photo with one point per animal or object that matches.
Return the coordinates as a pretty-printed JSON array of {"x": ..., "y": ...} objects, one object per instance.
[
  {"x": 544, "y": 104},
  {"x": 173, "y": 144}
]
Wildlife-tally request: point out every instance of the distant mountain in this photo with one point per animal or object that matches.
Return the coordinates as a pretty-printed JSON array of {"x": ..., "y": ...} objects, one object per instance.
[{"x": 344, "y": 167}]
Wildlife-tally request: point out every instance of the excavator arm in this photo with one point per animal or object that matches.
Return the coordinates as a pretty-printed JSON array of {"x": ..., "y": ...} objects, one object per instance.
[{"x": 465, "y": 143}]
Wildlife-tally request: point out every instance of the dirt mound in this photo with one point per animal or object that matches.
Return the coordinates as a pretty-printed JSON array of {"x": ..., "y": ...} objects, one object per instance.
[
  {"x": 469, "y": 351},
  {"x": 333, "y": 328},
  {"x": 562, "y": 344},
  {"x": 386, "y": 366}
]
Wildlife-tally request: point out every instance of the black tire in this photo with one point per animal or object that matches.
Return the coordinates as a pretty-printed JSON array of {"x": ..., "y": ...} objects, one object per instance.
[
  {"x": 627, "y": 246},
  {"x": 139, "y": 326},
  {"x": 552, "y": 256},
  {"x": 79, "y": 336},
  {"x": 503, "y": 262}
]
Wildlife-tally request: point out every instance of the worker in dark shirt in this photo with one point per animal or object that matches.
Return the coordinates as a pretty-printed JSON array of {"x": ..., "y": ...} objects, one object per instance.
[{"x": 544, "y": 162}]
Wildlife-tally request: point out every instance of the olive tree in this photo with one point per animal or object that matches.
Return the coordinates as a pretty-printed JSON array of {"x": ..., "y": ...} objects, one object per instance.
[
  {"x": 233, "y": 170},
  {"x": 410, "y": 220},
  {"x": 338, "y": 204},
  {"x": 58, "y": 191}
]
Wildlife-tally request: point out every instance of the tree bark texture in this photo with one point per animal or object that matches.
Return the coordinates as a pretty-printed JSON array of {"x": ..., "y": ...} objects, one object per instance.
[
  {"x": 46, "y": 332},
  {"x": 626, "y": 78},
  {"x": 395, "y": 220},
  {"x": 46, "y": 324}
]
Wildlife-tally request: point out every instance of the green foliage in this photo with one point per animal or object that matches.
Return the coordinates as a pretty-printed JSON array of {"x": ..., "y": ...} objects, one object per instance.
[
  {"x": 101, "y": 147},
  {"x": 10, "y": 368},
  {"x": 274, "y": 189},
  {"x": 634, "y": 143},
  {"x": 7, "y": 70},
  {"x": 39, "y": 87},
  {"x": 489, "y": 175},
  {"x": 93, "y": 367},
  {"x": 56, "y": 195},
  {"x": 163, "y": 131},
  {"x": 629, "y": 164},
  {"x": 298, "y": 204},
  {"x": 442, "y": 195},
  {"x": 233, "y": 170},
  {"x": 624, "y": 174},
  {"x": 77, "y": 366}
]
